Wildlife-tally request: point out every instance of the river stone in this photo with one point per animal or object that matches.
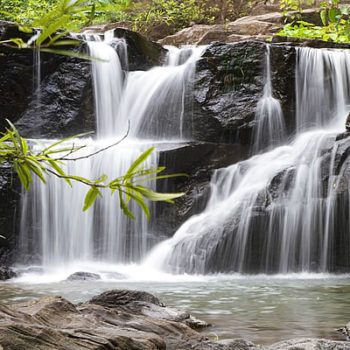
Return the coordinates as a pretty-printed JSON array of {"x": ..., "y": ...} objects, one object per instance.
[
  {"x": 83, "y": 276},
  {"x": 6, "y": 273}
]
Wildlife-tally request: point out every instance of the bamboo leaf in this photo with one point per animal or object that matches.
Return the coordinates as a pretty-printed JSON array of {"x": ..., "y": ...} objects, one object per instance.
[
  {"x": 54, "y": 165},
  {"x": 134, "y": 166},
  {"x": 156, "y": 196},
  {"x": 124, "y": 206},
  {"x": 91, "y": 197}
]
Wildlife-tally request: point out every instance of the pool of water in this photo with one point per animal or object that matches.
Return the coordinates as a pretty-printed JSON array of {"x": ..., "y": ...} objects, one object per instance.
[{"x": 263, "y": 309}]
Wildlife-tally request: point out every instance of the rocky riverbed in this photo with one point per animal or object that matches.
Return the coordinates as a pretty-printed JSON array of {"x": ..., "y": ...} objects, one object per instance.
[{"x": 119, "y": 319}]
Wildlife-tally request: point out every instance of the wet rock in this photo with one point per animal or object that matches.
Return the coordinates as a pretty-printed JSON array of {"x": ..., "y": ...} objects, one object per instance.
[
  {"x": 228, "y": 85},
  {"x": 142, "y": 53},
  {"x": 197, "y": 160},
  {"x": 347, "y": 123},
  {"x": 18, "y": 74},
  {"x": 83, "y": 276},
  {"x": 105, "y": 322},
  {"x": 10, "y": 193},
  {"x": 63, "y": 106},
  {"x": 345, "y": 331},
  {"x": 6, "y": 273}
]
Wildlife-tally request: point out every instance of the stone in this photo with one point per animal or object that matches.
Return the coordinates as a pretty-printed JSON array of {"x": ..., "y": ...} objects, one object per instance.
[
  {"x": 187, "y": 36},
  {"x": 310, "y": 344},
  {"x": 6, "y": 273},
  {"x": 83, "y": 276},
  {"x": 227, "y": 86},
  {"x": 347, "y": 123}
]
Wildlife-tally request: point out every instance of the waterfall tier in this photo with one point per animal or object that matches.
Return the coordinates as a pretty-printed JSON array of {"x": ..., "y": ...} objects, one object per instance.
[{"x": 286, "y": 210}]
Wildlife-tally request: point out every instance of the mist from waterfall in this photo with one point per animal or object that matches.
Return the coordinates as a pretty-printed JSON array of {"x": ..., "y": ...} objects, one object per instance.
[
  {"x": 54, "y": 230},
  {"x": 275, "y": 211}
]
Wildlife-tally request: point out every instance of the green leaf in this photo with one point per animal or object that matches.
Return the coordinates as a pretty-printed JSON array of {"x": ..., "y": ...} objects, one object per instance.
[
  {"x": 54, "y": 165},
  {"x": 124, "y": 206},
  {"x": 24, "y": 174},
  {"x": 134, "y": 166},
  {"x": 91, "y": 197},
  {"x": 156, "y": 196},
  {"x": 323, "y": 15}
]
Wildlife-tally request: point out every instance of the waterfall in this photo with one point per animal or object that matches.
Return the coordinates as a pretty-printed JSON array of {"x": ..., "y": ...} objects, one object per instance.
[
  {"x": 270, "y": 128},
  {"x": 155, "y": 101},
  {"x": 54, "y": 230},
  {"x": 275, "y": 211},
  {"x": 108, "y": 81}
]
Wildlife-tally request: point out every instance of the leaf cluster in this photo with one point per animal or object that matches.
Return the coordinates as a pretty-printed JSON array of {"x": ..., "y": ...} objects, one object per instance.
[
  {"x": 28, "y": 164},
  {"x": 335, "y": 23}
]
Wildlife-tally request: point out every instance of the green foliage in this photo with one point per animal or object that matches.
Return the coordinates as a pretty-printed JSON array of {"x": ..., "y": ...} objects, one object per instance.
[
  {"x": 150, "y": 17},
  {"x": 335, "y": 24},
  {"x": 27, "y": 163},
  {"x": 177, "y": 14}
]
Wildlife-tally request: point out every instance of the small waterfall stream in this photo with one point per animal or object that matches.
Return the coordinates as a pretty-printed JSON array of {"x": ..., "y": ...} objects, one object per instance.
[{"x": 270, "y": 129}]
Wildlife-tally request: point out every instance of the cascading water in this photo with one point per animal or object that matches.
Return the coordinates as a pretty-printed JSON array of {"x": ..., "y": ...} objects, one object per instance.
[
  {"x": 270, "y": 128},
  {"x": 154, "y": 101},
  {"x": 108, "y": 80},
  {"x": 54, "y": 230},
  {"x": 275, "y": 211}
]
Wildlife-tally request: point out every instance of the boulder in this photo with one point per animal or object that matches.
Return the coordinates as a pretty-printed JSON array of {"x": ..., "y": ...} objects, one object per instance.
[
  {"x": 83, "y": 276},
  {"x": 106, "y": 322},
  {"x": 261, "y": 26}
]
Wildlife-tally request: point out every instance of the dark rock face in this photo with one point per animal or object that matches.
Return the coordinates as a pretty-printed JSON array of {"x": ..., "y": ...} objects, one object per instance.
[
  {"x": 142, "y": 53},
  {"x": 198, "y": 161},
  {"x": 17, "y": 83},
  {"x": 63, "y": 106},
  {"x": 10, "y": 192},
  {"x": 283, "y": 64},
  {"x": 83, "y": 276},
  {"x": 228, "y": 84}
]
